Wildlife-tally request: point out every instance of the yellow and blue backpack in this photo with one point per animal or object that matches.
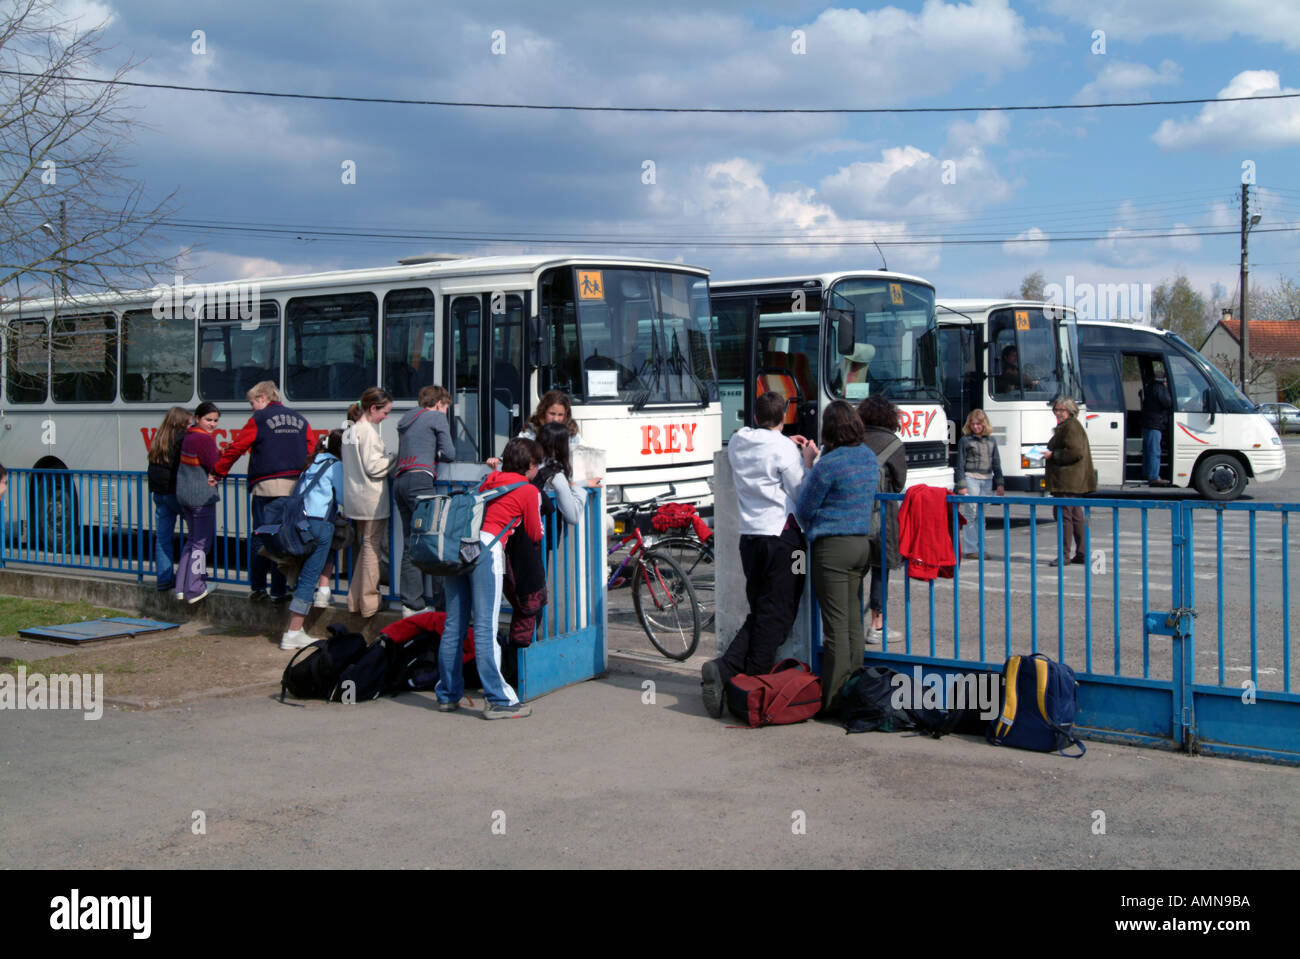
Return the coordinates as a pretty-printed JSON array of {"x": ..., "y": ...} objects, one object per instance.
[{"x": 1039, "y": 701}]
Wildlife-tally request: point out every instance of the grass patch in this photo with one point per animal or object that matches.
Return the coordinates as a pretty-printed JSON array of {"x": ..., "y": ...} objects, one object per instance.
[{"x": 17, "y": 612}]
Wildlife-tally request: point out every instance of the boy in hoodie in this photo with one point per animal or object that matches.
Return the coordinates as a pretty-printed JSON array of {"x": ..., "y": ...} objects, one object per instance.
[
  {"x": 477, "y": 594},
  {"x": 423, "y": 441},
  {"x": 768, "y": 468}
]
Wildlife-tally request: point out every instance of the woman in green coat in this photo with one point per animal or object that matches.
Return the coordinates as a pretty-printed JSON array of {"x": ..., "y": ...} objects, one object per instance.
[{"x": 1070, "y": 473}]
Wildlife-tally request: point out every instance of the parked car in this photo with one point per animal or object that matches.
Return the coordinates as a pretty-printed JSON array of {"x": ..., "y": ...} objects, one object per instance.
[{"x": 1284, "y": 416}]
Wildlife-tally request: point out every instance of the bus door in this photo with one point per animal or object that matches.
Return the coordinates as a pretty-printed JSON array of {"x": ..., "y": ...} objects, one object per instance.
[
  {"x": 1195, "y": 427},
  {"x": 1104, "y": 419},
  {"x": 962, "y": 379},
  {"x": 785, "y": 359},
  {"x": 485, "y": 370}
]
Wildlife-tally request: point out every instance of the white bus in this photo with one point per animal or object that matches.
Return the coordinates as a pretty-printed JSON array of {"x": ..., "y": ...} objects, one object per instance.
[
  {"x": 88, "y": 379},
  {"x": 1214, "y": 439},
  {"x": 828, "y": 336},
  {"x": 1009, "y": 358}
]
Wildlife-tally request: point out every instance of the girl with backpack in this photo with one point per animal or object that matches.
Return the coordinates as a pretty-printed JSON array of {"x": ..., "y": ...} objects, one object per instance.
[
  {"x": 476, "y": 595},
  {"x": 880, "y": 421},
  {"x": 164, "y": 462},
  {"x": 196, "y": 493},
  {"x": 320, "y": 503}
]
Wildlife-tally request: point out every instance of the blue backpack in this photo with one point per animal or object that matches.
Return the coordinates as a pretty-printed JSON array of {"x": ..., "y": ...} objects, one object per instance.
[
  {"x": 445, "y": 530},
  {"x": 286, "y": 528},
  {"x": 1038, "y": 705}
]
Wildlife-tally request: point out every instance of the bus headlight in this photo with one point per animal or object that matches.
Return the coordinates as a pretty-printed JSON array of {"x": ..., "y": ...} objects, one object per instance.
[{"x": 613, "y": 494}]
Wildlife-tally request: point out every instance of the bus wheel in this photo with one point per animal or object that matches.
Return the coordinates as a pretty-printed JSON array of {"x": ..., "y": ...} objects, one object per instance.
[
  {"x": 1219, "y": 477},
  {"x": 52, "y": 506}
]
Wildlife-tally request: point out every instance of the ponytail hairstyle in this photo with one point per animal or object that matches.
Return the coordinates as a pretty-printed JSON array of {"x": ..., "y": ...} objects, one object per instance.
[
  {"x": 174, "y": 425},
  {"x": 331, "y": 443}
]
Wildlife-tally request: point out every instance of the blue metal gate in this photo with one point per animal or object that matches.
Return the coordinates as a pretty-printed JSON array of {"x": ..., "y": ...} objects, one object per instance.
[{"x": 1162, "y": 677}]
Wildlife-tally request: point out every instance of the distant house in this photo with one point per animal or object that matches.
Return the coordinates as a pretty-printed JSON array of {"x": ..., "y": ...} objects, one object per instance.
[{"x": 1274, "y": 355}]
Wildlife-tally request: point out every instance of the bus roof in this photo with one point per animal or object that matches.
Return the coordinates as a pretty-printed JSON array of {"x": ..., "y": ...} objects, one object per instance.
[
  {"x": 826, "y": 279},
  {"x": 467, "y": 266},
  {"x": 976, "y": 305}
]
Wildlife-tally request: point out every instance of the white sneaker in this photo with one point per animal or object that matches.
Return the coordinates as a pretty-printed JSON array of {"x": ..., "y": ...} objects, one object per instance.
[
  {"x": 874, "y": 636},
  {"x": 204, "y": 595},
  {"x": 180, "y": 595},
  {"x": 323, "y": 597},
  {"x": 407, "y": 611},
  {"x": 295, "y": 639}
]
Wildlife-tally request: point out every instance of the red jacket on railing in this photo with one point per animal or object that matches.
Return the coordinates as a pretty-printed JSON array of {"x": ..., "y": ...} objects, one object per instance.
[{"x": 924, "y": 537}]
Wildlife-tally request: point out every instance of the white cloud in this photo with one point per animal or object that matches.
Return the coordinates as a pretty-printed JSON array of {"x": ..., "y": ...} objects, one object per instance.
[
  {"x": 1029, "y": 251},
  {"x": 1119, "y": 78},
  {"x": 1124, "y": 246},
  {"x": 986, "y": 129},
  {"x": 909, "y": 181},
  {"x": 730, "y": 196},
  {"x": 209, "y": 266},
  {"x": 1209, "y": 21},
  {"x": 1271, "y": 123}
]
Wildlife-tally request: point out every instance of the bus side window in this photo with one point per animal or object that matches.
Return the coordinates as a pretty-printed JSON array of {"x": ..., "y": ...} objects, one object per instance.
[{"x": 1187, "y": 386}]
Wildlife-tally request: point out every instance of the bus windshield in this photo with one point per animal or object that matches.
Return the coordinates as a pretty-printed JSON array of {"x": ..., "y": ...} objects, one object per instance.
[
  {"x": 641, "y": 336},
  {"x": 1231, "y": 399},
  {"x": 894, "y": 337},
  {"x": 1032, "y": 356}
]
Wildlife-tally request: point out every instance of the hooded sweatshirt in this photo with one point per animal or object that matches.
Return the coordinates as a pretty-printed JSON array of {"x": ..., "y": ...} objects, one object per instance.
[
  {"x": 424, "y": 441},
  {"x": 524, "y": 504}
]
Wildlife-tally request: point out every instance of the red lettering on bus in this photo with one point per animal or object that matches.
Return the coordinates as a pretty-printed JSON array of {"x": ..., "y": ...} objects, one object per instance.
[
  {"x": 148, "y": 434},
  {"x": 650, "y": 440},
  {"x": 670, "y": 439},
  {"x": 904, "y": 423},
  {"x": 689, "y": 430},
  {"x": 929, "y": 418}
]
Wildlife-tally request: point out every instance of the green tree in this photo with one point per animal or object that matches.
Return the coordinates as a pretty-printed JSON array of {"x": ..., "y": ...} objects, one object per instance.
[
  {"x": 1177, "y": 307},
  {"x": 1031, "y": 287},
  {"x": 71, "y": 220}
]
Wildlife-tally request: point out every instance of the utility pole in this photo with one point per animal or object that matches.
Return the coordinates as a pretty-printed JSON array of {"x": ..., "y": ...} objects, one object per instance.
[{"x": 1245, "y": 273}]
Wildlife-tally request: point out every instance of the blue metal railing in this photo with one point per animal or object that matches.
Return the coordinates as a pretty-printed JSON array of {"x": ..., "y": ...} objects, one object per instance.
[
  {"x": 103, "y": 520},
  {"x": 1149, "y": 551}
]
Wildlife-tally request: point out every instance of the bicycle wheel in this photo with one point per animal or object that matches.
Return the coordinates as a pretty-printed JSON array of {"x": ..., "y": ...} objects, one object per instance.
[
  {"x": 665, "y": 604},
  {"x": 696, "y": 559}
]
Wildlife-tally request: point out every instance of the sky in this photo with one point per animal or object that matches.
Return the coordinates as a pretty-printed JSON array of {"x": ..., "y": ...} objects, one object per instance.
[{"x": 745, "y": 195}]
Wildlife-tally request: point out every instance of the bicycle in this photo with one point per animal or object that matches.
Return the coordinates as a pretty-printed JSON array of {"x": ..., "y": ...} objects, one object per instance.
[
  {"x": 682, "y": 542},
  {"x": 662, "y": 594}
]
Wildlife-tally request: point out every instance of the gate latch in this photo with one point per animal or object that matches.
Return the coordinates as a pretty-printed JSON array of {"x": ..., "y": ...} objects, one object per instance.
[{"x": 1170, "y": 623}]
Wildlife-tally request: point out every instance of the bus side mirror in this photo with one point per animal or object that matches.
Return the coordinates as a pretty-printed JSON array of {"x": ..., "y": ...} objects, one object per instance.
[
  {"x": 843, "y": 320},
  {"x": 540, "y": 341},
  {"x": 1211, "y": 401}
]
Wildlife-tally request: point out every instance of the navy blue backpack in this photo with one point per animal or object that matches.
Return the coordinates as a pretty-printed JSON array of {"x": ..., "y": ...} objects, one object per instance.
[{"x": 1039, "y": 701}]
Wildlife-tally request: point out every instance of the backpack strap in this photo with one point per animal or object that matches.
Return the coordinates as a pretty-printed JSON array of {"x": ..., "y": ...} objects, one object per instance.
[
  {"x": 509, "y": 526},
  {"x": 1040, "y": 676},
  {"x": 890, "y": 449},
  {"x": 284, "y": 687},
  {"x": 1008, "y": 716}
]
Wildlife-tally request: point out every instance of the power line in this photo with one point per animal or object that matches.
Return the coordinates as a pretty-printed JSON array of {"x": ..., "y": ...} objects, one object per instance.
[{"x": 487, "y": 105}]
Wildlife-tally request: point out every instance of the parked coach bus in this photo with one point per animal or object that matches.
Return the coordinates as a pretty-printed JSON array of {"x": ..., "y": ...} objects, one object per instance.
[
  {"x": 818, "y": 338},
  {"x": 1213, "y": 439},
  {"x": 87, "y": 379},
  {"x": 1009, "y": 358}
]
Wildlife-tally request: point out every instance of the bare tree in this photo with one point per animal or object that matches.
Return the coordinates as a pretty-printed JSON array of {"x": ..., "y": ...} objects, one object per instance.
[
  {"x": 1031, "y": 287},
  {"x": 71, "y": 218}
]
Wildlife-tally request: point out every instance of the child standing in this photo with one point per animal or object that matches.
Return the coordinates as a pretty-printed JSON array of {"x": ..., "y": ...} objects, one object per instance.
[
  {"x": 196, "y": 491},
  {"x": 978, "y": 473}
]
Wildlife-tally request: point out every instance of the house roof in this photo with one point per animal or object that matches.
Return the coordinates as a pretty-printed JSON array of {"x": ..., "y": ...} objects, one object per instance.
[{"x": 1267, "y": 337}]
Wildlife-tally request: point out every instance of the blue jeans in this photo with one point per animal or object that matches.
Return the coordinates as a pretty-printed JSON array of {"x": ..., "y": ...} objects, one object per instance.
[
  {"x": 970, "y": 533},
  {"x": 309, "y": 575},
  {"x": 1151, "y": 454},
  {"x": 476, "y": 594},
  {"x": 166, "y": 511}
]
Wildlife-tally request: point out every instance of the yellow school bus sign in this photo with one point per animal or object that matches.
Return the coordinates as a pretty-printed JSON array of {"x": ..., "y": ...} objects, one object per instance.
[
  {"x": 591, "y": 284},
  {"x": 1022, "y": 319},
  {"x": 896, "y": 294}
]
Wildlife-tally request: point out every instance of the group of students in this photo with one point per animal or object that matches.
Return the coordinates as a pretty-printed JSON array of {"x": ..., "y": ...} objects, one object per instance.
[
  {"x": 795, "y": 503},
  {"x": 343, "y": 481}
]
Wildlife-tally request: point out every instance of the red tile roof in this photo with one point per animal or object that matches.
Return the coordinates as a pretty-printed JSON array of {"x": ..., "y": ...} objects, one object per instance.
[{"x": 1268, "y": 337}]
